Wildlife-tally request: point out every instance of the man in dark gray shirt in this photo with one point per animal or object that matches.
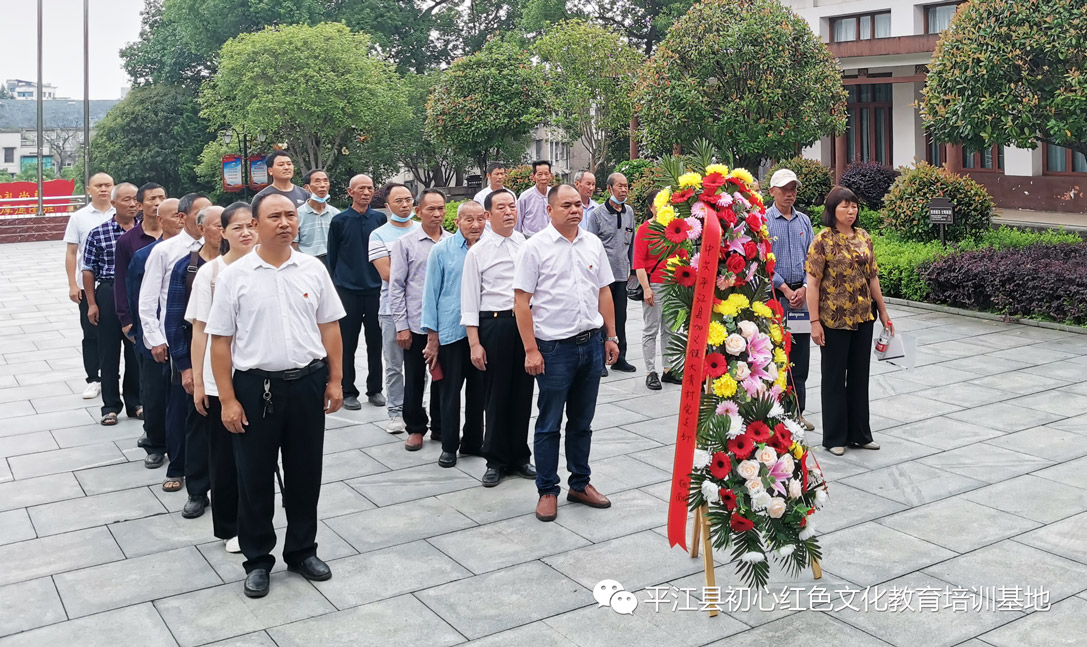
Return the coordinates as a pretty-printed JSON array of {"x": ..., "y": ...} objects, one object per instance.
[
  {"x": 281, "y": 168},
  {"x": 613, "y": 223}
]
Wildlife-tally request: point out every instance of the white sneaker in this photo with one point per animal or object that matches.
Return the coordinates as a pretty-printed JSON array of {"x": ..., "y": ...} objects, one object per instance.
[
  {"x": 232, "y": 545},
  {"x": 396, "y": 425},
  {"x": 93, "y": 390}
]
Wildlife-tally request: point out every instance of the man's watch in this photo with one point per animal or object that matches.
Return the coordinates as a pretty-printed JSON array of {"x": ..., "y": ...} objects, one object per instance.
[{"x": 613, "y": 339}]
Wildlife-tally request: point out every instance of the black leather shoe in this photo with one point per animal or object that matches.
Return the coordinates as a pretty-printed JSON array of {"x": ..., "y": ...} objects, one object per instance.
[
  {"x": 623, "y": 366},
  {"x": 153, "y": 461},
  {"x": 351, "y": 403},
  {"x": 652, "y": 382},
  {"x": 256, "y": 583},
  {"x": 671, "y": 378},
  {"x": 447, "y": 459},
  {"x": 526, "y": 471},
  {"x": 604, "y": 372},
  {"x": 195, "y": 506},
  {"x": 313, "y": 569},
  {"x": 142, "y": 441},
  {"x": 492, "y": 477}
]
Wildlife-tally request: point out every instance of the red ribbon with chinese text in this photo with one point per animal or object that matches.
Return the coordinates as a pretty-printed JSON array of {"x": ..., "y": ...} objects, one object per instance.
[{"x": 698, "y": 328}]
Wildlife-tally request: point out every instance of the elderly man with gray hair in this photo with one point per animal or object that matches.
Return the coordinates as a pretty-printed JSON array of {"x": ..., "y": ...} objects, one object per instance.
[
  {"x": 585, "y": 183},
  {"x": 613, "y": 223}
]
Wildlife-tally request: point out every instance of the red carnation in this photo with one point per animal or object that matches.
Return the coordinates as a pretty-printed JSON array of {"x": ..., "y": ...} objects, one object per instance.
[
  {"x": 676, "y": 231},
  {"x": 788, "y": 343},
  {"x": 728, "y": 497},
  {"x": 776, "y": 308},
  {"x": 682, "y": 196},
  {"x": 751, "y": 250},
  {"x": 770, "y": 266},
  {"x": 720, "y": 466},
  {"x": 758, "y": 431},
  {"x": 736, "y": 264},
  {"x": 685, "y": 275},
  {"x": 716, "y": 365},
  {"x": 713, "y": 181},
  {"x": 741, "y": 524},
  {"x": 741, "y": 446},
  {"x": 754, "y": 222}
]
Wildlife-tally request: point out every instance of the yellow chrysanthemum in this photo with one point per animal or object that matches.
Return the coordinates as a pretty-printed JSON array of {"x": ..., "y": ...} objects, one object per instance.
[
  {"x": 775, "y": 333},
  {"x": 724, "y": 387},
  {"x": 743, "y": 175},
  {"x": 779, "y": 357},
  {"x": 762, "y": 310},
  {"x": 666, "y": 214},
  {"x": 738, "y": 301},
  {"x": 671, "y": 263},
  {"x": 797, "y": 450},
  {"x": 757, "y": 199},
  {"x": 783, "y": 378},
  {"x": 765, "y": 231},
  {"x": 717, "y": 168},
  {"x": 731, "y": 306},
  {"x": 716, "y": 334},
  {"x": 662, "y": 198},
  {"x": 771, "y": 257},
  {"x": 690, "y": 179}
]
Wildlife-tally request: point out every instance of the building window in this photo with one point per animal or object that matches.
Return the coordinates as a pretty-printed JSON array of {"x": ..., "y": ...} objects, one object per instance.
[
  {"x": 990, "y": 159},
  {"x": 868, "y": 128},
  {"x": 938, "y": 17},
  {"x": 1059, "y": 159},
  {"x": 9, "y": 155},
  {"x": 861, "y": 27}
]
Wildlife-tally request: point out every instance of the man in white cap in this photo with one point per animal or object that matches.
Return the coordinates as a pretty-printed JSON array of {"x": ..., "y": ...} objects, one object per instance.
[{"x": 792, "y": 235}]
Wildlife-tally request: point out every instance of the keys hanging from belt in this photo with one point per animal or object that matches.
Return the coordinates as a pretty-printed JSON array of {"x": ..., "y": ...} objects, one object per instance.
[{"x": 269, "y": 409}]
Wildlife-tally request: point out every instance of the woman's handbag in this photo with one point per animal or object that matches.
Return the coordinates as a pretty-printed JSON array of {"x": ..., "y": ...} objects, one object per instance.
[{"x": 634, "y": 286}]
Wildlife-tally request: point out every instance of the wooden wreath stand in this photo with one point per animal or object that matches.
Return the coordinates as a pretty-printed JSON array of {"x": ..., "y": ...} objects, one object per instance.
[{"x": 702, "y": 531}]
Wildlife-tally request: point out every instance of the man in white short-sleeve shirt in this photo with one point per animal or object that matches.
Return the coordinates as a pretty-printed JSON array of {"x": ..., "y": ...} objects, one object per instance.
[
  {"x": 563, "y": 272},
  {"x": 274, "y": 321},
  {"x": 80, "y": 224}
]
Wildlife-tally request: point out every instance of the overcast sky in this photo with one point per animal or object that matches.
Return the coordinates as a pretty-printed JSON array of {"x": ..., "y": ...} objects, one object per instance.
[{"x": 113, "y": 23}]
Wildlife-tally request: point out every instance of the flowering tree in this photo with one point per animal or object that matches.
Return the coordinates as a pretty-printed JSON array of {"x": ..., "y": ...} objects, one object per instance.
[
  {"x": 751, "y": 466},
  {"x": 749, "y": 75},
  {"x": 1010, "y": 72}
]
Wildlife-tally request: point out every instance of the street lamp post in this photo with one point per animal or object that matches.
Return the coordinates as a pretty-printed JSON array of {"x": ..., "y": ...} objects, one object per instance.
[{"x": 227, "y": 136}]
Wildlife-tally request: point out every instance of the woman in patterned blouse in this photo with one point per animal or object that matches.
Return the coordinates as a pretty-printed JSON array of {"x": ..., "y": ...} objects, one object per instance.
[{"x": 843, "y": 294}]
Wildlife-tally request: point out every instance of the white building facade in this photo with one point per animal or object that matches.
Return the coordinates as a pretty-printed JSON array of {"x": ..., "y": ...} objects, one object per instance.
[{"x": 885, "y": 47}]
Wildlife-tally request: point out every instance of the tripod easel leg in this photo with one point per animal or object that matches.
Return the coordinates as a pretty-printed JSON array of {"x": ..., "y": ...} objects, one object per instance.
[
  {"x": 697, "y": 532},
  {"x": 703, "y": 523},
  {"x": 816, "y": 570}
]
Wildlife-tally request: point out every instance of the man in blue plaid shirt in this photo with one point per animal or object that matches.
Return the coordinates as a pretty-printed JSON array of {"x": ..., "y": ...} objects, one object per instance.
[{"x": 99, "y": 268}]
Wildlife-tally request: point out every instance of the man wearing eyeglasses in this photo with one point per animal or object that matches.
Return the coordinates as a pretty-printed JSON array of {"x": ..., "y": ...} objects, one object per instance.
[{"x": 359, "y": 285}]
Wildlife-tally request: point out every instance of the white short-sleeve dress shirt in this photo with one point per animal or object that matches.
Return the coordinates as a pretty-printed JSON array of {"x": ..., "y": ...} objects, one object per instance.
[{"x": 487, "y": 280}]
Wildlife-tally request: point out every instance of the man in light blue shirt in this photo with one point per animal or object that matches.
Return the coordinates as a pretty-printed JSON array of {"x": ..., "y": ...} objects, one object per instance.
[
  {"x": 315, "y": 216},
  {"x": 447, "y": 340},
  {"x": 532, "y": 204}
]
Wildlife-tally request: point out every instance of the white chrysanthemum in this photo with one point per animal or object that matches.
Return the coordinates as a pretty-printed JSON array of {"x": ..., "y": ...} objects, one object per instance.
[
  {"x": 710, "y": 492},
  {"x": 820, "y": 499},
  {"x": 786, "y": 550},
  {"x": 777, "y": 411},
  {"x": 753, "y": 557},
  {"x": 761, "y": 500},
  {"x": 701, "y": 459},
  {"x": 808, "y": 532},
  {"x": 795, "y": 430},
  {"x": 735, "y": 427}
]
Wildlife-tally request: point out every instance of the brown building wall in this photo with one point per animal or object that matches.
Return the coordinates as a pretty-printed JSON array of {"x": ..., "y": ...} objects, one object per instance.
[{"x": 1061, "y": 193}]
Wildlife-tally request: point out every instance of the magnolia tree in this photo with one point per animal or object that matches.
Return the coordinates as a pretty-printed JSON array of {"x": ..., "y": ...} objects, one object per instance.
[
  {"x": 1010, "y": 72},
  {"x": 749, "y": 75},
  {"x": 485, "y": 104},
  {"x": 591, "y": 73},
  {"x": 314, "y": 88}
]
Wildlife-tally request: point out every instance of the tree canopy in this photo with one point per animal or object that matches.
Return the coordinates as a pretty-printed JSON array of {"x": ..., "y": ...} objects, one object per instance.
[
  {"x": 1010, "y": 72},
  {"x": 749, "y": 75},
  {"x": 314, "y": 88}
]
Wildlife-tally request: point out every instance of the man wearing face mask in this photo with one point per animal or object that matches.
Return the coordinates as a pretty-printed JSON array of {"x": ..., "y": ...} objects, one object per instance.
[
  {"x": 399, "y": 202},
  {"x": 315, "y": 216},
  {"x": 613, "y": 223}
]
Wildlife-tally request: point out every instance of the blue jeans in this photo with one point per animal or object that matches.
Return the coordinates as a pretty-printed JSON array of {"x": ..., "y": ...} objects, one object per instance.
[{"x": 570, "y": 381}]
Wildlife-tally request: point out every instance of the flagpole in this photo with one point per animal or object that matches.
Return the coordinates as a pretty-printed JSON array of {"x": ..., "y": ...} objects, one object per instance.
[
  {"x": 40, "y": 91},
  {"x": 86, "y": 100}
]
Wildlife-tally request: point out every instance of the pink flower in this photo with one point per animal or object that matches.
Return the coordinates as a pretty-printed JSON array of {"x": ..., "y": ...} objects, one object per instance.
[
  {"x": 737, "y": 244},
  {"x": 724, "y": 200},
  {"x": 736, "y": 197},
  {"x": 751, "y": 271},
  {"x": 760, "y": 350},
  {"x": 775, "y": 393},
  {"x": 700, "y": 210},
  {"x": 728, "y": 408},
  {"x": 696, "y": 228},
  {"x": 752, "y": 385}
]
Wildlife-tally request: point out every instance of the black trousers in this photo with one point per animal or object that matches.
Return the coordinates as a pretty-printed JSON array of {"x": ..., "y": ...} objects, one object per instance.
[
  {"x": 154, "y": 384},
  {"x": 800, "y": 356},
  {"x": 111, "y": 342},
  {"x": 361, "y": 317},
  {"x": 197, "y": 467},
  {"x": 845, "y": 366},
  {"x": 415, "y": 375},
  {"x": 295, "y": 427},
  {"x": 90, "y": 340},
  {"x": 507, "y": 391},
  {"x": 223, "y": 472},
  {"x": 457, "y": 369},
  {"x": 619, "y": 299},
  {"x": 178, "y": 405}
]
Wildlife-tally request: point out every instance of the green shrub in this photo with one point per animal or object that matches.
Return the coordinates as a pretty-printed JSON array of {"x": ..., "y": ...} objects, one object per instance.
[
  {"x": 1010, "y": 237},
  {"x": 449, "y": 223},
  {"x": 816, "y": 182},
  {"x": 519, "y": 178},
  {"x": 870, "y": 181},
  {"x": 650, "y": 176},
  {"x": 900, "y": 264},
  {"x": 869, "y": 220},
  {"x": 906, "y": 205}
]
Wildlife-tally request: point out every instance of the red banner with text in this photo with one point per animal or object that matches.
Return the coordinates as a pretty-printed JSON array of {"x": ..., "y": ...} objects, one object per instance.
[{"x": 21, "y": 198}]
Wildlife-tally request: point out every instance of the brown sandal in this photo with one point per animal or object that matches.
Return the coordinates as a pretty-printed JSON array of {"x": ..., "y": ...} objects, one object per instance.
[
  {"x": 172, "y": 484},
  {"x": 109, "y": 419}
]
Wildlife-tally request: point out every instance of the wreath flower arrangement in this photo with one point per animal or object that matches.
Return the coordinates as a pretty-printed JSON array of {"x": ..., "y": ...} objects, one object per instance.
[{"x": 751, "y": 466}]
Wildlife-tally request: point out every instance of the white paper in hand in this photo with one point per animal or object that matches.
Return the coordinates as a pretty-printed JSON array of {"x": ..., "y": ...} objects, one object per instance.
[{"x": 901, "y": 350}]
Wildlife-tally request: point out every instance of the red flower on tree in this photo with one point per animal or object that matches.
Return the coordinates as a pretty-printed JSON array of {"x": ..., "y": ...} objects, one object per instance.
[
  {"x": 685, "y": 275},
  {"x": 741, "y": 446},
  {"x": 758, "y": 431},
  {"x": 716, "y": 365},
  {"x": 676, "y": 231},
  {"x": 720, "y": 466},
  {"x": 751, "y": 250},
  {"x": 741, "y": 524},
  {"x": 736, "y": 264},
  {"x": 728, "y": 497},
  {"x": 682, "y": 196}
]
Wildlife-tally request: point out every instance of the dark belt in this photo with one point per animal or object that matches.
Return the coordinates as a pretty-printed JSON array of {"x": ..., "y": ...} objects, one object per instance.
[
  {"x": 291, "y": 374},
  {"x": 795, "y": 286},
  {"x": 580, "y": 338},
  {"x": 495, "y": 314},
  {"x": 105, "y": 281}
]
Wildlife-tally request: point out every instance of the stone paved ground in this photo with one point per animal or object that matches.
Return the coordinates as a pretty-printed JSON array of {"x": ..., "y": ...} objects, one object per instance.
[{"x": 982, "y": 482}]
